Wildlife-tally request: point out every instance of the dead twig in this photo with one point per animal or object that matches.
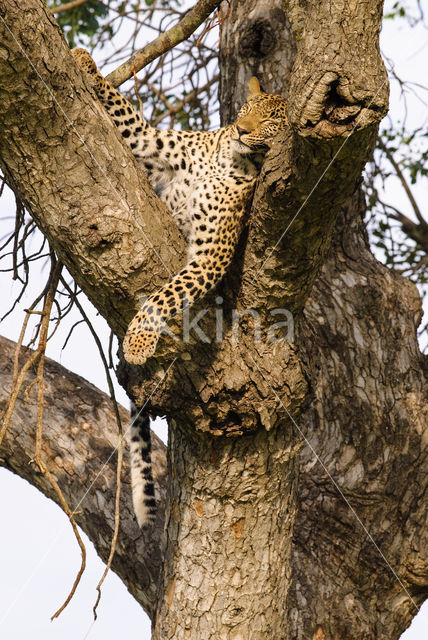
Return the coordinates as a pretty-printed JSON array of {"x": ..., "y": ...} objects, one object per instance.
[
  {"x": 175, "y": 108},
  {"x": 70, "y": 514},
  {"x": 119, "y": 447},
  {"x": 403, "y": 181},
  {"x": 116, "y": 519},
  {"x": 18, "y": 377},
  {"x": 212, "y": 25}
]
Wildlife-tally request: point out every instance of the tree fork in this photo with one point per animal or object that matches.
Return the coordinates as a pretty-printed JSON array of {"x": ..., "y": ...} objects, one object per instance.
[{"x": 233, "y": 391}]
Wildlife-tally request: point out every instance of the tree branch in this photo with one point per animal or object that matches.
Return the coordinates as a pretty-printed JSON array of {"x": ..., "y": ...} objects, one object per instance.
[
  {"x": 67, "y": 6},
  {"x": 79, "y": 443},
  {"x": 165, "y": 42},
  {"x": 404, "y": 184},
  {"x": 175, "y": 108},
  {"x": 101, "y": 210}
]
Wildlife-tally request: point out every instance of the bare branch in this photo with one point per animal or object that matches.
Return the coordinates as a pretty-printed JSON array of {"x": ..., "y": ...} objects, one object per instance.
[
  {"x": 175, "y": 108},
  {"x": 403, "y": 181},
  {"x": 67, "y": 6},
  {"x": 166, "y": 41},
  {"x": 116, "y": 520}
]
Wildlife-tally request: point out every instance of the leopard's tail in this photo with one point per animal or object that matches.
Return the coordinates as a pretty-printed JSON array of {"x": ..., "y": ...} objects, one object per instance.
[{"x": 143, "y": 488}]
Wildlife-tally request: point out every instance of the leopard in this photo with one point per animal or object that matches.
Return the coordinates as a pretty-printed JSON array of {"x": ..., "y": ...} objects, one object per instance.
[{"x": 207, "y": 180}]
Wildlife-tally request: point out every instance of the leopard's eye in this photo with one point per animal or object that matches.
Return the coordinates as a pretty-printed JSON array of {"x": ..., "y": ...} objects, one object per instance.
[{"x": 245, "y": 108}]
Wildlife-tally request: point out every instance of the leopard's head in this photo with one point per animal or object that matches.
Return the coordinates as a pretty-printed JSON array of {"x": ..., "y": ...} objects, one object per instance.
[{"x": 259, "y": 119}]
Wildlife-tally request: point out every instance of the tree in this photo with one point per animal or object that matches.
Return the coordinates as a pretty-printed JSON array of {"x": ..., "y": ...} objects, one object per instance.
[{"x": 324, "y": 465}]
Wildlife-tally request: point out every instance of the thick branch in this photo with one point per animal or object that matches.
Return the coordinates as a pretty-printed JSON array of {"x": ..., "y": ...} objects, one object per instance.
[
  {"x": 63, "y": 156},
  {"x": 309, "y": 174},
  {"x": 79, "y": 447},
  {"x": 339, "y": 81}
]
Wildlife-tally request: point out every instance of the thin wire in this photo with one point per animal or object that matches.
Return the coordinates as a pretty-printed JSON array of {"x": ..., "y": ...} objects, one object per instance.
[
  {"x": 337, "y": 487},
  {"x": 105, "y": 175},
  {"x": 60, "y": 532},
  {"x": 89, "y": 630}
]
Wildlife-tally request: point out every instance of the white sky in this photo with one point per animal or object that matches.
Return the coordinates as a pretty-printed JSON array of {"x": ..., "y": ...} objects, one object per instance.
[{"x": 39, "y": 555}]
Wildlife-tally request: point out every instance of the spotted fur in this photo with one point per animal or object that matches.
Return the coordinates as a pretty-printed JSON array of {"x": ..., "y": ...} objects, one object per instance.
[
  {"x": 143, "y": 488},
  {"x": 206, "y": 179}
]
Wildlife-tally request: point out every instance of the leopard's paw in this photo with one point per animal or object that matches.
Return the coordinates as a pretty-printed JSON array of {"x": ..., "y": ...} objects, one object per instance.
[{"x": 140, "y": 341}]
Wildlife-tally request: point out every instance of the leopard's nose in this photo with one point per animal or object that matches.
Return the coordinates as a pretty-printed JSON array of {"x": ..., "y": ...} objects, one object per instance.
[{"x": 241, "y": 130}]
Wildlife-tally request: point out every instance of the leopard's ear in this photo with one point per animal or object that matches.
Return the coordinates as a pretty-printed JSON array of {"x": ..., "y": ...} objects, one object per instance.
[{"x": 254, "y": 87}]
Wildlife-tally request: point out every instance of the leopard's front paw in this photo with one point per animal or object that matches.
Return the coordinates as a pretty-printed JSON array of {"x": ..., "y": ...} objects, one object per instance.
[{"x": 140, "y": 340}]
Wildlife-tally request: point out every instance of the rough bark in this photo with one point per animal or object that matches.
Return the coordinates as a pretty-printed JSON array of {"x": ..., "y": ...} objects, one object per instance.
[
  {"x": 61, "y": 154},
  {"x": 232, "y": 501},
  {"x": 368, "y": 425}
]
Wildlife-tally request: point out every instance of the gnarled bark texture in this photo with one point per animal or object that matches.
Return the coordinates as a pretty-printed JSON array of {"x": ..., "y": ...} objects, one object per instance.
[
  {"x": 352, "y": 383},
  {"x": 360, "y": 555}
]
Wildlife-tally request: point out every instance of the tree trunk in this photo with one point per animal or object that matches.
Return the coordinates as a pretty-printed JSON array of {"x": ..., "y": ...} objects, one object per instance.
[
  {"x": 349, "y": 391},
  {"x": 360, "y": 553}
]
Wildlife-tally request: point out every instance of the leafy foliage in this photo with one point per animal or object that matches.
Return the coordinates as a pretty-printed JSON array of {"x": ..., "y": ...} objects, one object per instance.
[
  {"x": 412, "y": 11},
  {"x": 82, "y": 22}
]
